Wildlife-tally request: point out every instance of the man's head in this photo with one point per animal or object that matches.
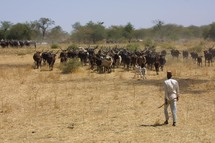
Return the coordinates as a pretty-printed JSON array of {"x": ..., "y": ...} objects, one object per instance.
[{"x": 169, "y": 74}]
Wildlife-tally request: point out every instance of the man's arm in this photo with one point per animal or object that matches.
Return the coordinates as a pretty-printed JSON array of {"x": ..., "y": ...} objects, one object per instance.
[
  {"x": 177, "y": 91},
  {"x": 166, "y": 94}
]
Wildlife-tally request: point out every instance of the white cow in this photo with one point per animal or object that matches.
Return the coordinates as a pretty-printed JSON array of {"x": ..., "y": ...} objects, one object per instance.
[{"x": 140, "y": 72}]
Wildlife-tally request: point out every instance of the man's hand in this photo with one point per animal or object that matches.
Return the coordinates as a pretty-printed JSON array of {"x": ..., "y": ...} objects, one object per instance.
[{"x": 166, "y": 101}]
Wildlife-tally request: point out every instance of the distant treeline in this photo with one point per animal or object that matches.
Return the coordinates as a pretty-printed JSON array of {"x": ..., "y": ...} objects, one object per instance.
[{"x": 44, "y": 30}]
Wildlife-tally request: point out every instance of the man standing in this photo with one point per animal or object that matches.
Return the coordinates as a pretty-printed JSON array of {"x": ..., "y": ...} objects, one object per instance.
[{"x": 171, "y": 88}]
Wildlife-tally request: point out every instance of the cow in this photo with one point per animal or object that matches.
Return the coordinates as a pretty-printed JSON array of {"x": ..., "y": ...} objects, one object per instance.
[
  {"x": 51, "y": 60},
  {"x": 38, "y": 59},
  {"x": 140, "y": 72},
  {"x": 175, "y": 53},
  {"x": 157, "y": 65},
  {"x": 83, "y": 55},
  {"x": 199, "y": 60},
  {"x": 162, "y": 61},
  {"x": 141, "y": 61},
  {"x": 4, "y": 43},
  {"x": 185, "y": 54},
  {"x": 163, "y": 52},
  {"x": 63, "y": 56},
  {"x": 44, "y": 57},
  {"x": 208, "y": 57},
  {"x": 106, "y": 64},
  {"x": 194, "y": 55}
]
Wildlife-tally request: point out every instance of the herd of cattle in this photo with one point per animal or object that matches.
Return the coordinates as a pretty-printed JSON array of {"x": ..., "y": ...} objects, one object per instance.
[
  {"x": 108, "y": 59},
  {"x": 105, "y": 60},
  {"x": 17, "y": 43}
]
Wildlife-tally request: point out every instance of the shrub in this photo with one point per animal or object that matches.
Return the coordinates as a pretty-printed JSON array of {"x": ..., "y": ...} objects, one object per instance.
[
  {"x": 72, "y": 47},
  {"x": 197, "y": 48},
  {"x": 70, "y": 66},
  {"x": 133, "y": 47},
  {"x": 54, "y": 46},
  {"x": 151, "y": 44}
]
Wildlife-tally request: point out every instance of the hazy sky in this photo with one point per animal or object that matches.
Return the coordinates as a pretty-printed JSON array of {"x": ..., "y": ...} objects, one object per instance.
[{"x": 140, "y": 13}]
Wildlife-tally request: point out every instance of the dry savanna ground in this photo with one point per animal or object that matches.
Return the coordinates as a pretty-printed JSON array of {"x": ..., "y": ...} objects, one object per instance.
[{"x": 41, "y": 106}]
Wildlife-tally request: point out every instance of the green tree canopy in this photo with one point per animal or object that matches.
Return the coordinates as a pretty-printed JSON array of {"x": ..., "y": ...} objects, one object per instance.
[
  {"x": 128, "y": 32},
  {"x": 19, "y": 31}
]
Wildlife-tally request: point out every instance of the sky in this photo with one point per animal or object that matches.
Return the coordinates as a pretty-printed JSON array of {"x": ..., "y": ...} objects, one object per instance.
[{"x": 140, "y": 13}]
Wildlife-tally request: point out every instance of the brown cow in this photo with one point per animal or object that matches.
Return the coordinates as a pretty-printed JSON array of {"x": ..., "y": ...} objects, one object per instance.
[{"x": 38, "y": 59}]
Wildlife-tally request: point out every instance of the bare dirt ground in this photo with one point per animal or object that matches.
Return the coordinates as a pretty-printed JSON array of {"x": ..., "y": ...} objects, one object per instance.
[{"x": 41, "y": 106}]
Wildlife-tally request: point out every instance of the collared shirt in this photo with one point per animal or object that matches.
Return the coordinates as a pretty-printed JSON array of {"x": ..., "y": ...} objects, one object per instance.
[{"x": 171, "y": 88}]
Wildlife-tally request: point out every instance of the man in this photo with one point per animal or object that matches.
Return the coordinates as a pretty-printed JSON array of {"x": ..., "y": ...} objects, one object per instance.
[{"x": 171, "y": 88}]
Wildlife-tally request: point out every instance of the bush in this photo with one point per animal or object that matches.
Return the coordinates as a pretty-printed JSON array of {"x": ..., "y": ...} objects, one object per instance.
[
  {"x": 54, "y": 46},
  {"x": 197, "y": 48},
  {"x": 70, "y": 66},
  {"x": 151, "y": 44},
  {"x": 133, "y": 47},
  {"x": 72, "y": 47}
]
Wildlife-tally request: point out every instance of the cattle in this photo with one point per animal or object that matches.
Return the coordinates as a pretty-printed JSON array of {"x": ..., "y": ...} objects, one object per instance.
[
  {"x": 107, "y": 63},
  {"x": 38, "y": 59},
  {"x": 194, "y": 55},
  {"x": 208, "y": 57},
  {"x": 63, "y": 56},
  {"x": 51, "y": 60},
  {"x": 140, "y": 72},
  {"x": 83, "y": 55},
  {"x": 163, "y": 52},
  {"x": 151, "y": 58},
  {"x": 126, "y": 58},
  {"x": 117, "y": 59},
  {"x": 175, "y": 53},
  {"x": 185, "y": 54},
  {"x": 49, "y": 57},
  {"x": 199, "y": 60},
  {"x": 162, "y": 61},
  {"x": 4, "y": 43},
  {"x": 45, "y": 57},
  {"x": 141, "y": 61},
  {"x": 157, "y": 65}
]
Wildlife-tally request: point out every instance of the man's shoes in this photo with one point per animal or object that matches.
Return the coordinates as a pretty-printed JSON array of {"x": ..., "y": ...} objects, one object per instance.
[
  {"x": 174, "y": 124},
  {"x": 166, "y": 122}
]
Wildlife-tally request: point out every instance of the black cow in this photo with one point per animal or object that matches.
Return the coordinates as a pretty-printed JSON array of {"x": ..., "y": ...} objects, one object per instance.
[
  {"x": 199, "y": 61},
  {"x": 83, "y": 55},
  {"x": 63, "y": 56},
  {"x": 194, "y": 55},
  {"x": 163, "y": 52},
  {"x": 208, "y": 57},
  {"x": 157, "y": 65},
  {"x": 185, "y": 54},
  {"x": 44, "y": 57},
  {"x": 51, "y": 60},
  {"x": 175, "y": 53},
  {"x": 162, "y": 61},
  {"x": 38, "y": 59}
]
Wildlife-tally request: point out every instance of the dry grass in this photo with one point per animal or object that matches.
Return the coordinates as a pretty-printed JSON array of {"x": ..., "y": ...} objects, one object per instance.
[{"x": 49, "y": 107}]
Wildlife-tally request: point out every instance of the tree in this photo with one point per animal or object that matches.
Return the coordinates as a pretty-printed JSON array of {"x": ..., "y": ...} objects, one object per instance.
[
  {"x": 4, "y": 28},
  {"x": 91, "y": 32},
  {"x": 19, "y": 31},
  {"x": 210, "y": 32},
  {"x": 128, "y": 32},
  {"x": 114, "y": 33},
  {"x": 44, "y": 24},
  {"x": 57, "y": 34},
  {"x": 158, "y": 28}
]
